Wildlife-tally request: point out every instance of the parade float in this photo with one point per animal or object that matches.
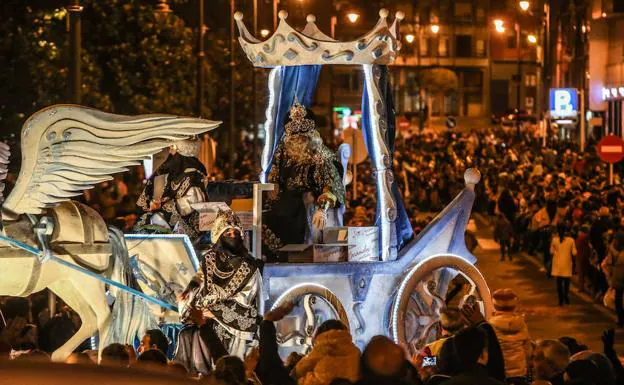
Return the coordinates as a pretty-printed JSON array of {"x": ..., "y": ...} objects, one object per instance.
[
  {"x": 376, "y": 280},
  {"x": 391, "y": 283}
]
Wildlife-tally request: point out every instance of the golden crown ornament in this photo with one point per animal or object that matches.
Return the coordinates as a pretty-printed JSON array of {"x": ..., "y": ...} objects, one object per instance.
[{"x": 298, "y": 124}]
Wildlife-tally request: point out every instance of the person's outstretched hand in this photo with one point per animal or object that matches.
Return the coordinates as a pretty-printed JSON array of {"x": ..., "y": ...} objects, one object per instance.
[
  {"x": 279, "y": 312},
  {"x": 608, "y": 340},
  {"x": 471, "y": 313}
]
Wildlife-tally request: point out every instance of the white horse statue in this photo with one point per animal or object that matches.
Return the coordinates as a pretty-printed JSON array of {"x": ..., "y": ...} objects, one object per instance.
[{"x": 67, "y": 149}]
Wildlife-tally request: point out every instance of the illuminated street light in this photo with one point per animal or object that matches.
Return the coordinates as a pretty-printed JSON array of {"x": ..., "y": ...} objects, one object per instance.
[
  {"x": 532, "y": 39},
  {"x": 264, "y": 32},
  {"x": 353, "y": 17},
  {"x": 410, "y": 38},
  {"x": 162, "y": 11},
  {"x": 435, "y": 28},
  {"x": 500, "y": 25},
  {"x": 524, "y": 5}
]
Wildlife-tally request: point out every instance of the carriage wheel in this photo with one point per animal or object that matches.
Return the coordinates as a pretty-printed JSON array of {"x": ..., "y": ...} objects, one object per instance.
[
  {"x": 426, "y": 290},
  {"x": 314, "y": 304}
]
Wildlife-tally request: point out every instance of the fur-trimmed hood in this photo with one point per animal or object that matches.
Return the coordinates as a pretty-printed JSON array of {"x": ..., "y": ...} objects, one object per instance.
[
  {"x": 333, "y": 356},
  {"x": 509, "y": 325}
]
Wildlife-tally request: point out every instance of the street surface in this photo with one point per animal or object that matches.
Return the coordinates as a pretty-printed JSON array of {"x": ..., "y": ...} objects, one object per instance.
[{"x": 537, "y": 294}]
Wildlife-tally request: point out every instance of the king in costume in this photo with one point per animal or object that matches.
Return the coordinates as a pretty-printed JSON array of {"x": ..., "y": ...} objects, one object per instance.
[
  {"x": 172, "y": 212},
  {"x": 219, "y": 305},
  {"x": 309, "y": 189}
]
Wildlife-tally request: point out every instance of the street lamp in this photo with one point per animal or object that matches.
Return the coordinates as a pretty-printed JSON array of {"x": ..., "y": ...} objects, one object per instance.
[
  {"x": 410, "y": 38},
  {"x": 435, "y": 28},
  {"x": 532, "y": 39},
  {"x": 353, "y": 17},
  {"x": 264, "y": 32},
  {"x": 524, "y": 5},
  {"x": 500, "y": 25},
  {"x": 162, "y": 11}
]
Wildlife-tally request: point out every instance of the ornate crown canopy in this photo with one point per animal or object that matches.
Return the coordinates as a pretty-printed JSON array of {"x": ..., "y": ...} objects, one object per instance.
[{"x": 287, "y": 46}]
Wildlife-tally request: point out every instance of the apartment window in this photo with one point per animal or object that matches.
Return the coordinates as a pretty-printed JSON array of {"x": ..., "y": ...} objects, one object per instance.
[
  {"x": 445, "y": 10},
  {"x": 473, "y": 78},
  {"x": 424, "y": 46},
  {"x": 463, "y": 11},
  {"x": 425, "y": 13},
  {"x": 348, "y": 81},
  {"x": 480, "y": 14},
  {"x": 434, "y": 17},
  {"x": 443, "y": 44},
  {"x": 463, "y": 46},
  {"x": 480, "y": 48},
  {"x": 530, "y": 80}
]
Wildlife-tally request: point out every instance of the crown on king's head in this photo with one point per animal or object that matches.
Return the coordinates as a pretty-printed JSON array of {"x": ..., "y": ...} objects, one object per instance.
[
  {"x": 297, "y": 111},
  {"x": 298, "y": 123}
]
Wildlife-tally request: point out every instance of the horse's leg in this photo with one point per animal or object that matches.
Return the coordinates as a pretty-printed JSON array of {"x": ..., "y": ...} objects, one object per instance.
[
  {"x": 77, "y": 297},
  {"x": 99, "y": 305}
]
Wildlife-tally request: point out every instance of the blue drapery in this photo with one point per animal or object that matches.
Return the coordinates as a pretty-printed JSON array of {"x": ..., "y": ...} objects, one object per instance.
[
  {"x": 402, "y": 224},
  {"x": 295, "y": 80}
]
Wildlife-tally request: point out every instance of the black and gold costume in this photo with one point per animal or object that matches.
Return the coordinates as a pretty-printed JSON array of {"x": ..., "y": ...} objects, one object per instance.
[
  {"x": 303, "y": 170},
  {"x": 184, "y": 186},
  {"x": 226, "y": 286}
]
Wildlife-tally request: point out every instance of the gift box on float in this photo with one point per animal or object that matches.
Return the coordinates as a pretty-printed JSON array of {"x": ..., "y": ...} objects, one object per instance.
[
  {"x": 330, "y": 253},
  {"x": 361, "y": 243}
]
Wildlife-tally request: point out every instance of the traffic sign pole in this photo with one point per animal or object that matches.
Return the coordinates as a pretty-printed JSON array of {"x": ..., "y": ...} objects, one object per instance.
[
  {"x": 582, "y": 119},
  {"x": 611, "y": 150},
  {"x": 610, "y": 174}
]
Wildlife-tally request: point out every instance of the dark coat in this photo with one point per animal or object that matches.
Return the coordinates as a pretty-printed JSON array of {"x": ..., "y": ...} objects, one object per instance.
[
  {"x": 478, "y": 375},
  {"x": 496, "y": 361},
  {"x": 270, "y": 368},
  {"x": 507, "y": 205}
]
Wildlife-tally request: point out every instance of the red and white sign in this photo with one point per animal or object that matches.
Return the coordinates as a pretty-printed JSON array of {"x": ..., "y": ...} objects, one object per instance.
[
  {"x": 404, "y": 124},
  {"x": 611, "y": 149}
]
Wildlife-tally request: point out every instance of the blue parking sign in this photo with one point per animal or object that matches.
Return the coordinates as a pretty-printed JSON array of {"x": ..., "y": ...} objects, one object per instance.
[{"x": 563, "y": 102}]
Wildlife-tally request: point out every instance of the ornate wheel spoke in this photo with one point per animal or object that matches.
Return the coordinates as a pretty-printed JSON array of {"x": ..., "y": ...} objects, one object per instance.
[
  {"x": 425, "y": 292},
  {"x": 314, "y": 305}
]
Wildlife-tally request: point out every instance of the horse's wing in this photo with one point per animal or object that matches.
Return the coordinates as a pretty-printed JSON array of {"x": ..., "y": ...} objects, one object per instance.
[{"x": 68, "y": 148}]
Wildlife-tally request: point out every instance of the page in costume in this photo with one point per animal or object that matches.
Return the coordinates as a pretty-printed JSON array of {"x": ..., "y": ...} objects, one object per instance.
[
  {"x": 184, "y": 177},
  {"x": 227, "y": 287}
]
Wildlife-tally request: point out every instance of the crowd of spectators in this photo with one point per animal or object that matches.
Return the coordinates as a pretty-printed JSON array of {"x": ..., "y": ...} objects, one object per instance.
[
  {"x": 551, "y": 202},
  {"x": 537, "y": 200},
  {"x": 469, "y": 350}
]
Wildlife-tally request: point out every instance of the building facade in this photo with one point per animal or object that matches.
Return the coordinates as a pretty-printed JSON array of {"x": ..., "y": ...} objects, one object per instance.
[
  {"x": 444, "y": 63},
  {"x": 606, "y": 64}
]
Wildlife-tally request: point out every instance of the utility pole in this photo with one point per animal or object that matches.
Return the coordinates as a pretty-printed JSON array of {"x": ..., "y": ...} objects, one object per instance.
[
  {"x": 254, "y": 91},
  {"x": 232, "y": 94},
  {"x": 201, "y": 30},
  {"x": 518, "y": 104},
  {"x": 582, "y": 119},
  {"x": 333, "y": 22},
  {"x": 75, "y": 48}
]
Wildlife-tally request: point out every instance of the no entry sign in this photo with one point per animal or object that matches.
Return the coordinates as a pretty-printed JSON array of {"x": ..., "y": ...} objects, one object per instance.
[{"x": 611, "y": 149}]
